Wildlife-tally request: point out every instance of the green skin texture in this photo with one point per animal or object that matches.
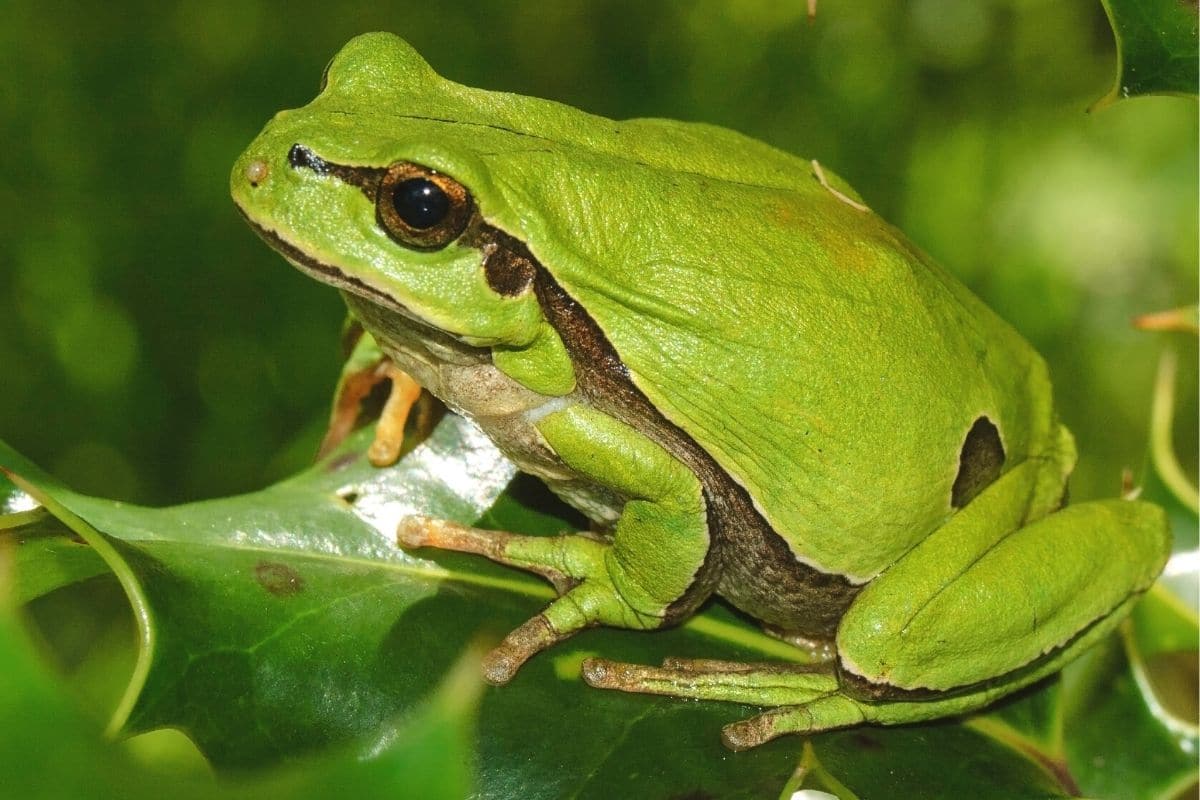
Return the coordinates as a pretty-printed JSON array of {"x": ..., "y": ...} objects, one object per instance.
[{"x": 825, "y": 364}]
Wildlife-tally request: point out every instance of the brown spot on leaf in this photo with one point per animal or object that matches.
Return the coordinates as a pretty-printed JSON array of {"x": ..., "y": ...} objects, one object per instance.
[
  {"x": 278, "y": 579},
  {"x": 865, "y": 741}
]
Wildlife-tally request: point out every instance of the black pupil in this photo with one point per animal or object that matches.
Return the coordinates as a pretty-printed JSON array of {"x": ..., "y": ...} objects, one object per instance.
[{"x": 421, "y": 203}]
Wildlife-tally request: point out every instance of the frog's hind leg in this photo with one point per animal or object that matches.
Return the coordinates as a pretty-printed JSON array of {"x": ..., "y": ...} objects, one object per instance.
[
  {"x": 840, "y": 708},
  {"x": 978, "y": 599},
  {"x": 988, "y": 603}
]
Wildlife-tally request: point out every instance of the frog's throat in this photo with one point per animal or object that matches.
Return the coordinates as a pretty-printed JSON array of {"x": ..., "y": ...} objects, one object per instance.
[{"x": 747, "y": 562}]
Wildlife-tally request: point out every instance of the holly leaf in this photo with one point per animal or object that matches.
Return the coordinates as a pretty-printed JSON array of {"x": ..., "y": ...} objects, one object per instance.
[
  {"x": 285, "y": 624},
  {"x": 1156, "y": 48},
  {"x": 279, "y": 624},
  {"x": 1130, "y": 705},
  {"x": 48, "y": 749}
]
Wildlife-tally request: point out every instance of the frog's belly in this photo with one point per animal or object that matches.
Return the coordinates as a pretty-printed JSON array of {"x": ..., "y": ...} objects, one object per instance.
[
  {"x": 507, "y": 413},
  {"x": 465, "y": 379}
]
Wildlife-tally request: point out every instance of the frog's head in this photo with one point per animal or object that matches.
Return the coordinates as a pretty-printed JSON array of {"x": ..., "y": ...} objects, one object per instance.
[{"x": 377, "y": 186}]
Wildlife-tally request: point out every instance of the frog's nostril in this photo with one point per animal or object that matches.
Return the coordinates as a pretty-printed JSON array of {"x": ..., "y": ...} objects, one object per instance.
[{"x": 257, "y": 171}]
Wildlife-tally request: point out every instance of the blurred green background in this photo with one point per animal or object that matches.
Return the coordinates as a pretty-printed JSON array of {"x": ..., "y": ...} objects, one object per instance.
[{"x": 152, "y": 349}]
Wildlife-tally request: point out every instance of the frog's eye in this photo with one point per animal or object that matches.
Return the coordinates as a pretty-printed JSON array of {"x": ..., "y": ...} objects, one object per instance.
[{"x": 421, "y": 208}]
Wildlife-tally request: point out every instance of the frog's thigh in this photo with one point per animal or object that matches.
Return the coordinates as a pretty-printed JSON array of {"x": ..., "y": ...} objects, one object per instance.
[
  {"x": 984, "y": 596},
  {"x": 661, "y": 539}
]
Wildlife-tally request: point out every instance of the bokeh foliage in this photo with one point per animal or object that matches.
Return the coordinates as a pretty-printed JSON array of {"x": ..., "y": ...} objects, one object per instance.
[{"x": 156, "y": 351}]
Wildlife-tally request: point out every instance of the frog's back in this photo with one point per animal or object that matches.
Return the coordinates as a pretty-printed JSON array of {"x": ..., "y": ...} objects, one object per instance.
[
  {"x": 394, "y": 76},
  {"x": 826, "y": 365}
]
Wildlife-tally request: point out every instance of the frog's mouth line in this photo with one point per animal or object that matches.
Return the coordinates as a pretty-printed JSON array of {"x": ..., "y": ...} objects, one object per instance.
[{"x": 326, "y": 273}]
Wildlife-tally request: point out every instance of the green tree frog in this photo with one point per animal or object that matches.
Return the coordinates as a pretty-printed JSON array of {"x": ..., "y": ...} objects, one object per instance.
[{"x": 755, "y": 387}]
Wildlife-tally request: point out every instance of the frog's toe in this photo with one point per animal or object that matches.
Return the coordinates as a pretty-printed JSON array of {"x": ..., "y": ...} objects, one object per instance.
[
  {"x": 592, "y": 602},
  {"x": 503, "y": 661},
  {"x": 716, "y": 665},
  {"x": 830, "y": 711},
  {"x": 558, "y": 559},
  {"x": 824, "y": 713},
  {"x": 705, "y": 679},
  {"x": 417, "y": 531},
  {"x": 748, "y": 733},
  {"x": 389, "y": 431}
]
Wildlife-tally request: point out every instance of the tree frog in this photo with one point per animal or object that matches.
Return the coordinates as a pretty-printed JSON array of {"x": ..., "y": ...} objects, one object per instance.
[{"x": 754, "y": 386}]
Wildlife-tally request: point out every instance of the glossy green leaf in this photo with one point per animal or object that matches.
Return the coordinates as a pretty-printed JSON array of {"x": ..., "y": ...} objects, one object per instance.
[
  {"x": 1130, "y": 718},
  {"x": 280, "y": 623},
  {"x": 1156, "y": 48},
  {"x": 283, "y": 623},
  {"x": 914, "y": 762},
  {"x": 50, "y": 556},
  {"x": 49, "y": 750},
  {"x": 1121, "y": 740}
]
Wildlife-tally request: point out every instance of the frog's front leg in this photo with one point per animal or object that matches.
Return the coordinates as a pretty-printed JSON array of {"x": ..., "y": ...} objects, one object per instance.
[
  {"x": 983, "y": 606},
  {"x": 646, "y": 577}
]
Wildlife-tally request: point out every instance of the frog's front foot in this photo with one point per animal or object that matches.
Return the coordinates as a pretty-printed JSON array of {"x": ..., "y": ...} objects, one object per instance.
[
  {"x": 577, "y": 566},
  {"x": 502, "y": 661}
]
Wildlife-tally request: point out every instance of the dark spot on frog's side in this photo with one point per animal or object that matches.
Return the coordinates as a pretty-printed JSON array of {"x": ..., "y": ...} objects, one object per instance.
[
  {"x": 508, "y": 265},
  {"x": 278, "y": 579},
  {"x": 979, "y": 462}
]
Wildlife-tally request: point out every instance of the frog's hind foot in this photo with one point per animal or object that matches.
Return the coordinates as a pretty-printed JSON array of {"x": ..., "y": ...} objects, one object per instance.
[
  {"x": 808, "y": 697},
  {"x": 822, "y": 714}
]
